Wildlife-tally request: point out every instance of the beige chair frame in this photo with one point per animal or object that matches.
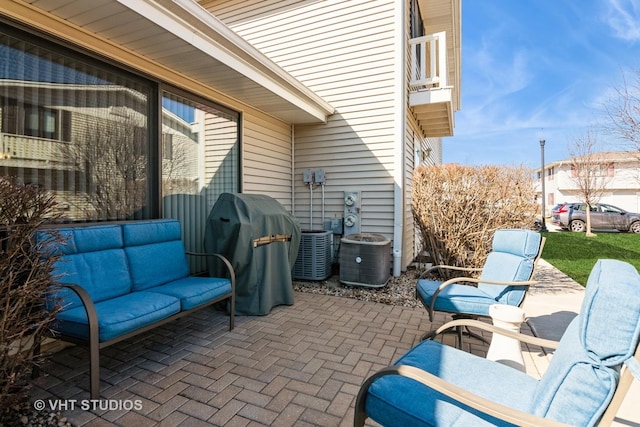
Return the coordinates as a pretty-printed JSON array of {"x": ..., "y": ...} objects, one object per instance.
[
  {"x": 471, "y": 281},
  {"x": 484, "y": 405}
]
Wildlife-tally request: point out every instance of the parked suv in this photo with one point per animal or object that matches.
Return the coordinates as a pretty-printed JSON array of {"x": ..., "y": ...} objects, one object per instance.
[
  {"x": 558, "y": 209},
  {"x": 603, "y": 217}
]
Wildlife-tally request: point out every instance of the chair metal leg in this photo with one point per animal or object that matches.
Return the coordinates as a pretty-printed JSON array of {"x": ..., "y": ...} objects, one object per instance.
[
  {"x": 474, "y": 335},
  {"x": 459, "y": 331},
  {"x": 430, "y": 335},
  {"x": 94, "y": 369}
]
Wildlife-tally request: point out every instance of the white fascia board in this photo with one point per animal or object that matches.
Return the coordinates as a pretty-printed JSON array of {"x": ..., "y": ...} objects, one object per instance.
[
  {"x": 430, "y": 96},
  {"x": 280, "y": 82}
]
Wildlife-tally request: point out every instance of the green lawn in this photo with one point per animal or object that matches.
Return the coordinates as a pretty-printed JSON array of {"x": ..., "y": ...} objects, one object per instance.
[{"x": 575, "y": 254}]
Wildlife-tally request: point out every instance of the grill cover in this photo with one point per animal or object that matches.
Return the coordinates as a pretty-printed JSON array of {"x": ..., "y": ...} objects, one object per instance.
[{"x": 260, "y": 239}]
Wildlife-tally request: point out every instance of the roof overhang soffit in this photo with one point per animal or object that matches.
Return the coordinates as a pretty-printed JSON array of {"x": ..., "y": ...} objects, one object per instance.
[{"x": 182, "y": 36}]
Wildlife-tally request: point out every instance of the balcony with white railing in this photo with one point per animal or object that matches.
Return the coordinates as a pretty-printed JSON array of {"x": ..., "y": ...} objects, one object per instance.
[
  {"x": 430, "y": 94},
  {"x": 30, "y": 151}
]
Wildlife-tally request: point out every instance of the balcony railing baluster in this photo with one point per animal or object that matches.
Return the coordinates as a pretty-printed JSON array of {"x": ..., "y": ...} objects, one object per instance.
[{"x": 429, "y": 61}]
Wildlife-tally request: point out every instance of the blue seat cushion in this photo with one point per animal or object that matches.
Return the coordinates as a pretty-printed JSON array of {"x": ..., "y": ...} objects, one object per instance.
[
  {"x": 455, "y": 298},
  {"x": 194, "y": 291},
  {"x": 396, "y": 400},
  {"x": 119, "y": 315}
]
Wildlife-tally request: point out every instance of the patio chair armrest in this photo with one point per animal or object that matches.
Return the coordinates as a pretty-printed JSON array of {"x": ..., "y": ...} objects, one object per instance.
[
  {"x": 528, "y": 339},
  {"x": 499, "y": 283},
  {"x": 447, "y": 267},
  {"x": 461, "y": 280},
  {"x": 472, "y": 400}
]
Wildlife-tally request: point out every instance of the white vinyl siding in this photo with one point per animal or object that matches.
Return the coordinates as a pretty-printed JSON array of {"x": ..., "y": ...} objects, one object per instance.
[
  {"x": 266, "y": 162},
  {"x": 344, "y": 52},
  {"x": 408, "y": 236}
]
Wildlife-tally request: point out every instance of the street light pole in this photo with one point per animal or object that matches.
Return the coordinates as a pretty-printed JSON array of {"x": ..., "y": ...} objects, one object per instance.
[{"x": 543, "y": 227}]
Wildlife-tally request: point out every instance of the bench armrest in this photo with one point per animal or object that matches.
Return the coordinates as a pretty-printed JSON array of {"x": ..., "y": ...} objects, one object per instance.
[
  {"x": 225, "y": 261},
  {"x": 232, "y": 277},
  {"x": 88, "y": 305},
  {"x": 94, "y": 336}
]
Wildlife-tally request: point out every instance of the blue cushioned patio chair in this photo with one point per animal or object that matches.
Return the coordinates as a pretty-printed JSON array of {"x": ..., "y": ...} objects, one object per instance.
[
  {"x": 504, "y": 279},
  {"x": 591, "y": 371}
]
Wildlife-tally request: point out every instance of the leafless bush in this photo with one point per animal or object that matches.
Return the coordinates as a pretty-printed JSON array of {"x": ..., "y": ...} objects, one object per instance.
[
  {"x": 113, "y": 161},
  {"x": 457, "y": 209},
  {"x": 25, "y": 276}
]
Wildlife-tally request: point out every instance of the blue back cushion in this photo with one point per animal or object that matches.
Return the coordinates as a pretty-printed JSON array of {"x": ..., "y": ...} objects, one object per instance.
[
  {"x": 511, "y": 259},
  {"x": 79, "y": 240},
  {"x": 611, "y": 327},
  {"x": 94, "y": 258},
  {"x": 584, "y": 371},
  {"x": 155, "y": 252}
]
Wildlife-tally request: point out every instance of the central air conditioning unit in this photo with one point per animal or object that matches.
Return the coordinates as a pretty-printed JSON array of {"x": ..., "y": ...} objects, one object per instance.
[
  {"x": 365, "y": 260},
  {"x": 314, "y": 255}
]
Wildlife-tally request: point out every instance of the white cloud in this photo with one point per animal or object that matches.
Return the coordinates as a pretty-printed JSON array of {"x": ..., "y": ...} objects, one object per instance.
[
  {"x": 623, "y": 16},
  {"x": 522, "y": 79}
]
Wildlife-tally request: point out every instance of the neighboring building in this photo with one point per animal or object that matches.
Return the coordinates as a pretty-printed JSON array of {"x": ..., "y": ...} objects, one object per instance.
[
  {"x": 622, "y": 189},
  {"x": 145, "y": 109}
]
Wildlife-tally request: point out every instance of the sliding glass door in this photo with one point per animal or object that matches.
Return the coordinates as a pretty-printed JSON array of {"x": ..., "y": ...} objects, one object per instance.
[{"x": 110, "y": 144}]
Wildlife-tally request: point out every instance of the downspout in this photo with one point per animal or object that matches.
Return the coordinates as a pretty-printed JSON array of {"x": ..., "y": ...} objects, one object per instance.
[
  {"x": 399, "y": 143},
  {"x": 293, "y": 172}
]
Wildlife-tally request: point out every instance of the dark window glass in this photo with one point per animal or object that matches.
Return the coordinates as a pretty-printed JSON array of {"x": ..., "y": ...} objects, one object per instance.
[
  {"x": 76, "y": 127},
  {"x": 81, "y": 128}
]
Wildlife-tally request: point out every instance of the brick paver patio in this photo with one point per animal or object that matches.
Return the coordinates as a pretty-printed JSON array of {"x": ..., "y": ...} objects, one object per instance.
[{"x": 300, "y": 365}]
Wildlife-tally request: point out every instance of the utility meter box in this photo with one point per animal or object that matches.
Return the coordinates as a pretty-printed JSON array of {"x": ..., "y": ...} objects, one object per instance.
[{"x": 351, "y": 219}]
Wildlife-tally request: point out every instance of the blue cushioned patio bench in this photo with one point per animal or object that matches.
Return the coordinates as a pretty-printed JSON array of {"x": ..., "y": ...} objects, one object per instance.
[{"x": 121, "y": 279}]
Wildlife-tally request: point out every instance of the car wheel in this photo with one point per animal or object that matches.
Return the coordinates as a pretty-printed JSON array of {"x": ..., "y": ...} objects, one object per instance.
[
  {"x": 635, "y": 227},
  {"x": 577, "y": 226}
]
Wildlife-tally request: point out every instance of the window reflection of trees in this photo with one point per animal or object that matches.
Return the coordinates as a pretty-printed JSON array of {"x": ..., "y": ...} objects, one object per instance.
[{"x": 112, "y": 157}]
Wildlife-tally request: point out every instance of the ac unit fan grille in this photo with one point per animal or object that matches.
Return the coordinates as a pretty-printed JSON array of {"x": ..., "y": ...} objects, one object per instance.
[
  {"x": 314, "y": 256},
  {"x": 363, "y": 263}
]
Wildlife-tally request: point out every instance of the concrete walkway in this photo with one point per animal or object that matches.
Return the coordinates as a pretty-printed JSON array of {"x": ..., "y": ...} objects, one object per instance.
[{"x": 301, "y": 365}]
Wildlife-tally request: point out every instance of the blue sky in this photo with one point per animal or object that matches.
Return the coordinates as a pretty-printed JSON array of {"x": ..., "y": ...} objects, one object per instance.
[{"x": 535, "y": 69}]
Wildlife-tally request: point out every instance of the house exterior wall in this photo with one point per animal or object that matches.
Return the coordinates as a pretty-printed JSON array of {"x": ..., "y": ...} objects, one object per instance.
[
  {"x": 346, "y": 53},
  {"x": 419, "y": 151},
  {"x": 622, "y": 189},
  {"x": 266, "y": 142},
  {"x": 413, "y": 141},
  {"x": 267, "y": 156}
]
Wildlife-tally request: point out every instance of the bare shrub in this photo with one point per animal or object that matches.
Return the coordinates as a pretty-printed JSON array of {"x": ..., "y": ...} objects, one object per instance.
[
  {"x": 25, "y": 277},
  {"x": 457, "y": 209}
]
